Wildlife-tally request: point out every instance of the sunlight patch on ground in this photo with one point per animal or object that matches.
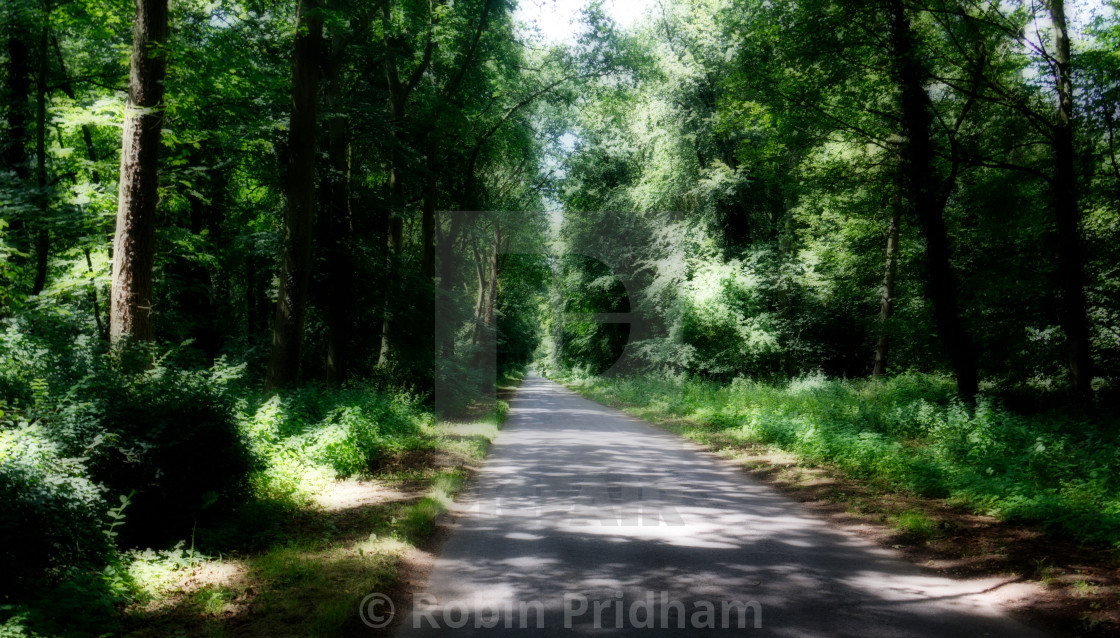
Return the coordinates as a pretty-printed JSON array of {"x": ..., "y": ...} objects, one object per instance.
[{"x": 351, "y": 493}]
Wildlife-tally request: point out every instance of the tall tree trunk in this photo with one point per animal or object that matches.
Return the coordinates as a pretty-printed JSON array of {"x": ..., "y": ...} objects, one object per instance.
[
  {"x": 486, "y": 353},
  {"x": 492, "y": 285},
  {"x": 480, "y": 298},
  {"x": 447, "y": 263},
  {"x": 886, "y": 302},
  {"x": 427, "y": 302},
  {"x": 42, "y": 199},
  {"x": 196, "y": 295},
  {"x": 14, "y": 152},
  {"x": 922, "y": 193},
  {"x": 396, "y": 244},
  {"x": 428, "y": 221},
  {"x": 134, "y": 241},
  {"x": 395, "y": 224},
  {"x": 299, "y": 217},
  {"x": 339, "y": 226},
  {"x": 1071, "y": 274},
  {"x": 400, "y": 89}
]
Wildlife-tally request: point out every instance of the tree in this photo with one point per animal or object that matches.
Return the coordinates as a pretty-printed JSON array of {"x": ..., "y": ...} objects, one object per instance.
[
  {"x": 1071, "y": 275},
  {"x": 138, "y": 192},
  {"x": 291, "y": 304},
  {"x": 927, "y": 199},
  {"x": 1049, "y": 128},
  {"x": 400, "y": 90}
]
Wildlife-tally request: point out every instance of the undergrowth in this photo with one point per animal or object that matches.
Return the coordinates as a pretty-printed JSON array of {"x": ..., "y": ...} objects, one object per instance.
[
  {"x": 906, "y": 433},
  {"x": 117, "y": 480}
]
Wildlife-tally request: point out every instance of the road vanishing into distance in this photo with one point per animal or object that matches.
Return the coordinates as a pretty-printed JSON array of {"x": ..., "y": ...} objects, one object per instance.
[{"x": 586, "y": 521}]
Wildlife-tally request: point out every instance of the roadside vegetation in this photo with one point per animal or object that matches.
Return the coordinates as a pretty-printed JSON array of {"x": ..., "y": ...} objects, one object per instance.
[
  {"x": 219, "y": 367},
  {"x": 881, "y": 236},
  {"x": 907, "y": 433},
  {"x": 274, "y": 513}
]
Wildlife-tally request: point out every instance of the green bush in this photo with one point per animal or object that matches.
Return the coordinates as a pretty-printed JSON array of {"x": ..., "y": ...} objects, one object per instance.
[
  {"x": 51, "y": 515},
  {"x": 347, "y": 431},
  {"x": 169, "y": 435}
]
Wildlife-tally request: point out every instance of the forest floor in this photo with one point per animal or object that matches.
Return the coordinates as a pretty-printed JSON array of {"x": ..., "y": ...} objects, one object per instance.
[
  {"x": 1062, "y": 586},
  {"x": 357, "y": 537}
]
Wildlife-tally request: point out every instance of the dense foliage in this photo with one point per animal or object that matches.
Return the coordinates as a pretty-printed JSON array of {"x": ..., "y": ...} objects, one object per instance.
[
  {"x": 767, "y": 158},
  {"x": 819, "y": 192},
  {"x": 907, "y": 434},
  {"x": 248, "y": 245},
  {"x": 191, "y": 384}
]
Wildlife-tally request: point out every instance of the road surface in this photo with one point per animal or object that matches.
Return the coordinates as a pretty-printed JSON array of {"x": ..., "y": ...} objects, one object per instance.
[{"x": 586, "y": 521}]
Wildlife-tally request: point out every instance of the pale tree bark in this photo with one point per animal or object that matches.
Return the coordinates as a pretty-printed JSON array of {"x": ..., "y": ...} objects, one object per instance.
[
  {"x": 485, "y": 336},
  {"x": 480, "y": 298},
  {"x": 299, "y": 216},
  {"x": 492, "y": 285},
  {"x": 134, "y": 241},
  {"x": 1071, "y": 275},
  {"x": 886, "y": 301}
]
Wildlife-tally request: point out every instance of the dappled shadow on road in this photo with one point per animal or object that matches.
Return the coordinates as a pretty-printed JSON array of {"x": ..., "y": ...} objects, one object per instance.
[{"x": 584, "y": 511}]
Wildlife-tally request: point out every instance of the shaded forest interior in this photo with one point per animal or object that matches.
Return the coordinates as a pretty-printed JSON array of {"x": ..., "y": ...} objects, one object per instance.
[{"x": 243, "y": 255}]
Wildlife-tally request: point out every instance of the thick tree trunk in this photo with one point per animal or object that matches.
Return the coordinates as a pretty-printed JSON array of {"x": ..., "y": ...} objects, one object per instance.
[
  {"x": 42, "y": 199},
  {"x": 134, "y": 242},
  {"x": 886, "y": 302},
  {"x": 922, "y": 193},
  {"x": 299, "y": 217},
  {"x": 426, "y": 304},
  {"x": 396, "y": 215},
  {"x": 339, "y": 227},
  {"x": 1071, "y": 274}
]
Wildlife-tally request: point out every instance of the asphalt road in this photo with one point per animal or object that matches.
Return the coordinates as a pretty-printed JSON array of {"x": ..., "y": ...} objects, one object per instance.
[{"x": 586, "y": 521}]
